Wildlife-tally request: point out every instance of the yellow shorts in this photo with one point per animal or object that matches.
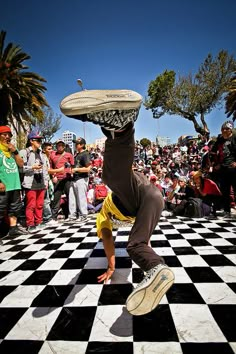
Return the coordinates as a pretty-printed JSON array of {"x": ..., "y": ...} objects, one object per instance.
[{"x": 110, "y": 210}]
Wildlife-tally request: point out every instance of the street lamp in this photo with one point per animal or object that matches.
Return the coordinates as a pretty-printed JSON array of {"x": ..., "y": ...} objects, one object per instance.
[{"x": 80, "y": 83}]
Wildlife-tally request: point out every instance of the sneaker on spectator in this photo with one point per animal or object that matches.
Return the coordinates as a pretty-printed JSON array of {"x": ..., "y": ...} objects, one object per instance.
[
  {"x": 22, "y": 228},
  {"x": 16, "y": 231},
  {"x": 51, "y": 222},
  {"x": 147, "y": 295},
  {"x": 225, "y": 215},
  {"x": 71, "y": 219},
  {"x": 32, "y": 229},
  {"x": 82, "y": 219},
  {"x": 40, "y": 227},
  {"x": 111, "y": 109},
  {"x": 166, "y": 213}
]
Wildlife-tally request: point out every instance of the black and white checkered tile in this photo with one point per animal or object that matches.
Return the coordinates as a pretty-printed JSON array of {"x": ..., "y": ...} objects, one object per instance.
[{"x": 50, "y": 301}]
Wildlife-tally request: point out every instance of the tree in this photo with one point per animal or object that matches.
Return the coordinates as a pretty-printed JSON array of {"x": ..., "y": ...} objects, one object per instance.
[
  {"x": 21, "y": 92},
  {"x": 192, "y": 96},
  {"x": 230, "y": 105},
  {"x": 50, "y": 124},
  {"x": 145, "y": 142}
]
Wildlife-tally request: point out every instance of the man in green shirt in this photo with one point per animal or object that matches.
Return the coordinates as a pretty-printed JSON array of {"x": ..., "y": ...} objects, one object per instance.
[{"x": 10, "y": 186}]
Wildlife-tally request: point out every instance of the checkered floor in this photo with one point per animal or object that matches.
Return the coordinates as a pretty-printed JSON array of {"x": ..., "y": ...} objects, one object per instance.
[{"x": 50, "y": 301}]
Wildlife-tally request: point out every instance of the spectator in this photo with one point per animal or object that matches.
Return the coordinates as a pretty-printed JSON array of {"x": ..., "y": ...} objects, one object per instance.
[
  {"x": 97, "y": 161},
  {"x": 170, "y": 194},
  {"x": 166, "y": 183},
  {"x": 224, "y": 151},
  {"x": 61, "y": 180},
  {"x": 34, "y": 181},
  {"x": 10, "y": 186},
  {"x": 49, "y": 192},
  {"x": 207, "y": 190},
  {"x": 78, "y": 208},
  {"x": 95, "y": 200}
]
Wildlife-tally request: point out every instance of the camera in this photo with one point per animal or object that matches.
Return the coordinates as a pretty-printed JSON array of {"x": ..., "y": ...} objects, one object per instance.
[{"x": 67, "y": 164}]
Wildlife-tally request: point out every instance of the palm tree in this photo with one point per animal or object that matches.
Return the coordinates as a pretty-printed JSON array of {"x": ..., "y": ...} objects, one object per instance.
[
  {"x": 21, "y": 92},
  {"x": 230, "y": 99}
]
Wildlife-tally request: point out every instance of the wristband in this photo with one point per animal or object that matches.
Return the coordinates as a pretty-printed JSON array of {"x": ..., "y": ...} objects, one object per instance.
[
  {"x": 16, "y": 152},
  {"x": 111, "y": 269}
]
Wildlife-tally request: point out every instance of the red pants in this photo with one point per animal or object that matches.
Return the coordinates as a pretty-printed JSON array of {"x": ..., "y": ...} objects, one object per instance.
[{"x": 34, "y": 207}]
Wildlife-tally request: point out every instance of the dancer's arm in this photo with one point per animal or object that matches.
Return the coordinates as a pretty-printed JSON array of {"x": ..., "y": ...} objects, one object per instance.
[{"x": 109, "y": 249}]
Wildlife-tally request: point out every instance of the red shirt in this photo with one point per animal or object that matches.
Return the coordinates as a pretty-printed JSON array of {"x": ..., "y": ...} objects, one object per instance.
[
  {"x": 58, "y": 160},
  {"x": 210, "y": 188},
  {"x": 97, "y": 162}
]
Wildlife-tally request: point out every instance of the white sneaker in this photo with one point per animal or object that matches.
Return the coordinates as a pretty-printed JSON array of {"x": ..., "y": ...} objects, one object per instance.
[
  {"x": 82, "y": 219},
  {"x": 108, "y": 108},
  {"x": 71, "y": 219},
  {"x": 52, "y": 222},
  {"x": 147, "y": 295},
  {"x": 166, "y": 213}
]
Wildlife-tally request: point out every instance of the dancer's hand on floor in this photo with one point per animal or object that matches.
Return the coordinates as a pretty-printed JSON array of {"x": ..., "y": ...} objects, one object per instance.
[{"x": 106, "y": 276}]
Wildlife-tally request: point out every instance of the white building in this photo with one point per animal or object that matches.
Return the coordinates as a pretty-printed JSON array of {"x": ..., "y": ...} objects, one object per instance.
[
  {"x": 68, "y": 138},
  {"x": 100, "y": 143},
  {"x": 163, "y": 140}
]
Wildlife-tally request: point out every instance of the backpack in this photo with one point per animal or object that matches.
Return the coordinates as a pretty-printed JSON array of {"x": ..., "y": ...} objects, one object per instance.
[
  {"x": 100, "y": 191},
  {"x": 193, "y": 208}
]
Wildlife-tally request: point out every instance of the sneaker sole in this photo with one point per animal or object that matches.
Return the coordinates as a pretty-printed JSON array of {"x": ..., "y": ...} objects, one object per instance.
[
  {"x": 91, "y": 101},
  {"x": 146, "y": 299},
  {"x": 111, "y": 109}
]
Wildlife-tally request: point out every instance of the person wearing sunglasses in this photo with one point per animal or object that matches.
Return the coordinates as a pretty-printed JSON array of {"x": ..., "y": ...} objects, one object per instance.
[{"x": 35, "y": 177}]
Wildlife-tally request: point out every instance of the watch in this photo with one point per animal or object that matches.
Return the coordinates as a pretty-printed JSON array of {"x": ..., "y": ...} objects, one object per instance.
[{"x": 16, "y": 152}]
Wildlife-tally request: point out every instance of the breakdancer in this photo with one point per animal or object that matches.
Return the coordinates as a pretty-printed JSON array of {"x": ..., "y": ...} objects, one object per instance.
[{"x": 134, "y": 200}]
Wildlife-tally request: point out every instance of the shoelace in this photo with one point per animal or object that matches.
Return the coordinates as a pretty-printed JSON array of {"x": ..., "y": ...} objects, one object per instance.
[{"x": 149, "y": 274}]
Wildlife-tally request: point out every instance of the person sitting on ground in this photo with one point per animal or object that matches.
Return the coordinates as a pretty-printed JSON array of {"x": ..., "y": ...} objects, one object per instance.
[
  {"x": 207, "y": 190},
  {"x": 170, "y": 194},
  {"x": 96, "y": 196},
  {"x": 134, "y": 200},
  {"x": 166, "y": 182},
  {"x": 182, "y": 196}
]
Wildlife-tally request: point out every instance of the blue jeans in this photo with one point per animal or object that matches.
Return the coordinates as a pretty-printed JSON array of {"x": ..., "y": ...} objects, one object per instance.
[{"x": 47, "y": 213}]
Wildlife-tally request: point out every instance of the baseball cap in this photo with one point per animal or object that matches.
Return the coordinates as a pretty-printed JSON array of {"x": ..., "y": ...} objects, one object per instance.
[
  {"x": 60, "y": 141},
  {"x": 182, "y": 179},
  {"x": 5, "y": 129},
  {"x": 80, "y": 140},
  {"x": 35, "y": 135},
  {"x": 228, "y": 125}
]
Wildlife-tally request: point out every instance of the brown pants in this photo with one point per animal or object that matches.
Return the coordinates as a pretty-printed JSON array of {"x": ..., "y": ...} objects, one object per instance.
[{"x": 138, "y": 196}]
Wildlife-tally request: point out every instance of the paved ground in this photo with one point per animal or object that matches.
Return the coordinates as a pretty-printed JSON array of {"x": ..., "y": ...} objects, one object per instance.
[{"x": 50, "y": 301}]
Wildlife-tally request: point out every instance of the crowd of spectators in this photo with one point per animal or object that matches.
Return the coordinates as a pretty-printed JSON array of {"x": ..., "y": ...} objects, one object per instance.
[{"x": 56, "y": 184}]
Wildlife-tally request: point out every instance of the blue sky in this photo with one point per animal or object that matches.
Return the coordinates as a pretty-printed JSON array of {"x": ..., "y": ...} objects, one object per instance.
[{"x": 119, "y": 44}]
